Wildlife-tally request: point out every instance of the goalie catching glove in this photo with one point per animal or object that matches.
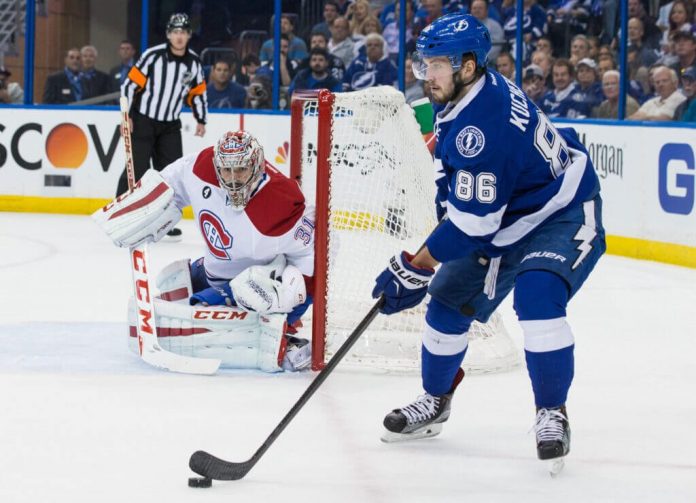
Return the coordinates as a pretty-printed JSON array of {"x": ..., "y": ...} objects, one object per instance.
[
  {"x": 402, "y": 284},
  {"x": 272, "y": 288},
  {"x": 141, "y": 215}
]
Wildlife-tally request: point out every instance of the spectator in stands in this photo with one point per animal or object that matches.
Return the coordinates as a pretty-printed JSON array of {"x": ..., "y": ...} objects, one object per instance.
[
  {"x": 259, "y": 93},
  {"x": 534, "y": 84},
  {"x": 505, "y": 64},
  {"x": 371, "y": 25},
  {"x": 688, "y": 79},
  {"x": 297, "y": 49},
  {"x": 588, "y": 84},
  {"x": 579, "y": 49},
  {"x": 646, "y": 54},
  {"x": 609, "y": 108},
  {"x": 479, "y": 9},
  {"x": 685, "y": 50},
  {"x": 413, "y": 87},
  {"x": 430, "y": 10},
  {"x": 544, "y": 61},
  {"x": 344, "y": 6},
  {"x": 94, "y": 82},
  {"x": 608, "y": 12},
  {"x": 651, "y": 33},
  {"x": 126, "y": 54},
  {"x": 372, "y": 69},
  {"x": 330, "y": 14},
  {"x": 639, "y": 82},
  {"x": 534, "y": 24},
  {"x": 288, "y": 66},
  {"x": 564, "y": 100},
  {"x": 544, "y": 45},
  {"x": 568, "y": 17},
  {"x": 11, "y": 93},
  {"x": 357, "y": 14},
  {"x": 336, "y": 66},
  {"x": 605, "y": 64},
  {"x": 594, "y": 47},
  {"x": 65, "y": 86},
  {"x": 391, "y": 32},
  {"x": 223, "y": 93},
  {"x": 250, "y": 64},
  {"x": 679, "y": 20},
  {"x": 605, "y": 50},
  {"x": 662, "y": 106},
  {"x": 340, "y": 43},
  {"x": 317, "y": 76}
]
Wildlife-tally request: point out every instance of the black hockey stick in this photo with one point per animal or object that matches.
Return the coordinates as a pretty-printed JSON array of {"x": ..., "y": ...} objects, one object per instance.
[{"x": 210, "y": 467}]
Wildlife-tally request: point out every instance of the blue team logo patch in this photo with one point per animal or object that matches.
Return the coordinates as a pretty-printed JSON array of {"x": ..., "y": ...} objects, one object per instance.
[{"x": 470, "y": 141}]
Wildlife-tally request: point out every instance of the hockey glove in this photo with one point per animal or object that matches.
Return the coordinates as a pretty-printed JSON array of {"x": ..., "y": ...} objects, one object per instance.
[
  {"x": 402, "y": 284},
  {"x": 214, "y": 296}
]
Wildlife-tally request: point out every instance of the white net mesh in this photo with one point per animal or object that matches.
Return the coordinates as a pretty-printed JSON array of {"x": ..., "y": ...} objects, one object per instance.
[{"x": 382, "y": 194}]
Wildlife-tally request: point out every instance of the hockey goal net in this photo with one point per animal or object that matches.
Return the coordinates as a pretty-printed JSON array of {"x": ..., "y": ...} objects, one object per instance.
[{"x": 361, "y": 158}]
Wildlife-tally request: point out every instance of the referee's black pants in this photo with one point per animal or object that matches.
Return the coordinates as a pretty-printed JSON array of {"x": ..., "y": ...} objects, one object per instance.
[{"x": 152, "y": 139}]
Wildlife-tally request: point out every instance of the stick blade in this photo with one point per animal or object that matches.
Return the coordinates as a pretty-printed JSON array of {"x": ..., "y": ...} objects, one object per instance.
[
  {"x": 174, "y": 362},
  {"x": 214, "y": 468}
]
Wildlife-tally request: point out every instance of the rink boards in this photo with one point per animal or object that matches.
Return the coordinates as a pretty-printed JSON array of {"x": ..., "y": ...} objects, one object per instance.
[{"x": 68, "y": 160}]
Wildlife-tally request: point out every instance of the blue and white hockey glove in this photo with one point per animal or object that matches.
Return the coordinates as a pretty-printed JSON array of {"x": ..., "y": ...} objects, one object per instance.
[
  {"x": 214, "y": 296},
  {"x": 402, "y": 284}
]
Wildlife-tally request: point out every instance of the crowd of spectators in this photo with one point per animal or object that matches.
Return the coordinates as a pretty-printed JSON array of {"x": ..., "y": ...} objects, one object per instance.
[{"x": 570, "y": 53}]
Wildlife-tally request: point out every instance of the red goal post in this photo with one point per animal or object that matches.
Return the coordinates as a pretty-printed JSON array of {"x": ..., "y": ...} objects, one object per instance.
[{"x": 360, "y": 158}]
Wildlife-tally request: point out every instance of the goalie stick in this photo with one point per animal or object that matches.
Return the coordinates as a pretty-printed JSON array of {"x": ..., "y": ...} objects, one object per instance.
[
  {"x": 211, "y": 467},
  {"x": 150, "y": 350}
]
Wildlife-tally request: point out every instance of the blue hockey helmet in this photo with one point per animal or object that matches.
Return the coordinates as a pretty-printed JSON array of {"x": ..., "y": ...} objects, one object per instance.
[{"x": 454, "y": 35}]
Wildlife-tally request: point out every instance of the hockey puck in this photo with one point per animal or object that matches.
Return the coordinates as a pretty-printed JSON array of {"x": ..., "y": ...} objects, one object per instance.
[{"x": 204, "y": 482}]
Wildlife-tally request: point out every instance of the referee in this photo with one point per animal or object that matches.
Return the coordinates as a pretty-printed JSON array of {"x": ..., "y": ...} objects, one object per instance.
[{"x": 156, "y": 87}]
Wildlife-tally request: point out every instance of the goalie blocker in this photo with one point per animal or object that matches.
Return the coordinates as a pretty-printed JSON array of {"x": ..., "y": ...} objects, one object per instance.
[{"x": 240, "y": 338}]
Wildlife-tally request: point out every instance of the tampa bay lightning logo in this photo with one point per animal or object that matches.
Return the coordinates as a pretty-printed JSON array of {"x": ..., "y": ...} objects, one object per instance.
[
  {"x": 217, "y": 238},
  {"x": 461, "y": 25},
  {"x": 206, "y": 192},
  {"x": 470, "y": 141}
]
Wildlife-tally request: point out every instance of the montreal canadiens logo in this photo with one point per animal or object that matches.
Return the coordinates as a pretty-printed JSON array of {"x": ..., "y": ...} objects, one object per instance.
[
  {"x": 218, "y": 239},
  {"x": 470, "y": 141}
]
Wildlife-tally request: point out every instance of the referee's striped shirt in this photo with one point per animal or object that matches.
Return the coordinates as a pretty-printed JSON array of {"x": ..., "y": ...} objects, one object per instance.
[{"x": 160, "y": 81}]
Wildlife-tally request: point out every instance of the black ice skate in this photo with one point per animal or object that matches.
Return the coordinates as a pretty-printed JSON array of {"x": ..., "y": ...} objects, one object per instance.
[
  {"x": 421, "y": 419},
  {"x": 553, "y": 437}
]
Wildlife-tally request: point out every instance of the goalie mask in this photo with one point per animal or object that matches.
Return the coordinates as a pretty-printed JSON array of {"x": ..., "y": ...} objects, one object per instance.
[{"x": 239, "y": 166}]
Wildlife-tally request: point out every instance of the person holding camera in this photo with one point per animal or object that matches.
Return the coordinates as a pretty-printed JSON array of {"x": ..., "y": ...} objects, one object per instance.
[{"x": 10, "y": 92}]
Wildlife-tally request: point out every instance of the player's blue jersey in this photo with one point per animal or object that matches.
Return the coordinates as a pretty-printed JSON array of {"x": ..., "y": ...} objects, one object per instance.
[{"x": 502, "y": 170}]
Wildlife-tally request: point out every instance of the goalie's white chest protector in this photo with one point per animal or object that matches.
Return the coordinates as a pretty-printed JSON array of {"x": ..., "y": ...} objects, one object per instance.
[{"x": 276, "y": 220}]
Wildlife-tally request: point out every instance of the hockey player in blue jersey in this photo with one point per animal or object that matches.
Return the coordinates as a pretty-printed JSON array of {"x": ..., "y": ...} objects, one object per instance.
[{"x": 519, "y": 205}]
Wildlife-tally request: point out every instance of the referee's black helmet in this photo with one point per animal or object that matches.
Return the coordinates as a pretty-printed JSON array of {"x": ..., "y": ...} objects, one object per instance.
[{"x": 178, "y": 20}]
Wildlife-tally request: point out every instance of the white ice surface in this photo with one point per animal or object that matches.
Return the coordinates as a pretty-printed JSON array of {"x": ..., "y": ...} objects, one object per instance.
[{"x": 84, "y": 420}]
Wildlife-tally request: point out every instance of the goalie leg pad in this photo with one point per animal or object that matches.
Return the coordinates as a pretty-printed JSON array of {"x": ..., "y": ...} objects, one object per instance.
[
  {"x": 174, "y": 281},
  {"x": 240, "y": 339}
]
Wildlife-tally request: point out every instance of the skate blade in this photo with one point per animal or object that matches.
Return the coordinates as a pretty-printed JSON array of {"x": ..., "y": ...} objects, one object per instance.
[
  {"x": 556, "y": 466},
  {"x": 431, "y": 430}
]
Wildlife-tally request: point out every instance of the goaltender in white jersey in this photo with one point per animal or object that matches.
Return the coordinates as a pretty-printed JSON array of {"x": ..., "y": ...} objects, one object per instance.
[{"x": 258, "y": 263}]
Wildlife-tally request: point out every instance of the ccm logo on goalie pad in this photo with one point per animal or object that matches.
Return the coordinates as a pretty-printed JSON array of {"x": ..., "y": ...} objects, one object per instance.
[
  {"x": 219, "y": 315},
  {"x": 405, "y": 276}
]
